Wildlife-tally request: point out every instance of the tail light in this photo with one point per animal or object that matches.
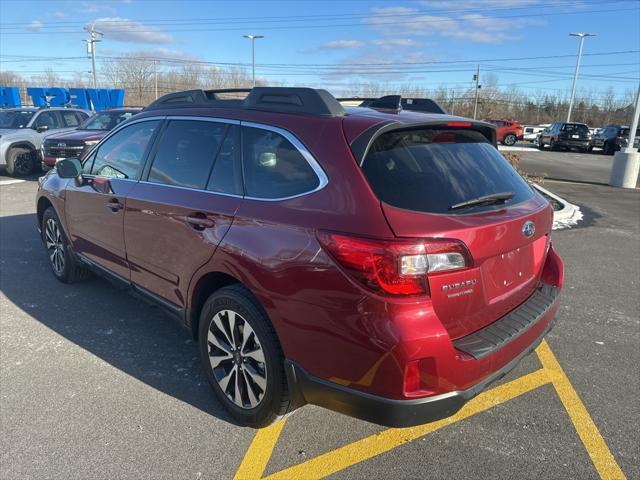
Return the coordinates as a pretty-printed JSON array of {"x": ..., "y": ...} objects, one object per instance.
[{"x": 395, "y": 267}]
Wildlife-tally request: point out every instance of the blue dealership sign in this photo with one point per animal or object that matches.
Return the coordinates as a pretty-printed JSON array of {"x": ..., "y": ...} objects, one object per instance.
[{"x": 88, "y": 98}]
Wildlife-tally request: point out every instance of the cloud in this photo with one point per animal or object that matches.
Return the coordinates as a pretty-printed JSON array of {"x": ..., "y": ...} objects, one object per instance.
[
  {"x": 125, "y": 30},
  {"x": 96, "y": 7},
  {"x": 34, "y": 26},
  {"x": 474, "y": 28},
  {"x": 59, "y": 15},
  {"x": 341, "y": 45},
  {"x": 396, "y": 42},
  {"x": 484, "y": 4}
]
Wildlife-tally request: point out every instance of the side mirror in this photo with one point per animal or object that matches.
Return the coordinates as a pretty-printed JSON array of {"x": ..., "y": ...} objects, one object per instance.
[
  {"x": 42, "y": 128},
  {"x": 69, "y": 168}
]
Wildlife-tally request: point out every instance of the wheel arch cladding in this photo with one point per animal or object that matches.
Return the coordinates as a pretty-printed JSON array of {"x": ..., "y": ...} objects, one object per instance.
[
  {"x": 206, "y": 285},
  {"x": 43, "y": 204}
]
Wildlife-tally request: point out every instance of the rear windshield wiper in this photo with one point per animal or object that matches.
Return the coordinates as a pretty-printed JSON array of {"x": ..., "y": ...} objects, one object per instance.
[{"x": 492, "y": 199}]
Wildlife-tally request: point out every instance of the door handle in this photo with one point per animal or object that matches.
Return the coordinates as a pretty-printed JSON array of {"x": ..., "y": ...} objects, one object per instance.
[
  {"x": 114, "y": 205},
  {"x": 199, "y": 221}
]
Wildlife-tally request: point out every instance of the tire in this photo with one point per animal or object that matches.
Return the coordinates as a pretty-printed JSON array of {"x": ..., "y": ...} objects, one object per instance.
[
  {"x": 262, "y": 396},
  {"x": 509, "y": 140},
  {"x": 59, "y": 253},
  {"x": 552, "y": 145},
  {"x": 608, "y": 148},
  {"x": 540, "y": 145},
  {"x": 20, "y": 162}
]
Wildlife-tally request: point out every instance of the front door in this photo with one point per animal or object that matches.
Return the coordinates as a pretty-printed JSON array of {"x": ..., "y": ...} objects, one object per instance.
[
  {"x": 176, "y": 218},
  {"x": 95, "y": 209}
]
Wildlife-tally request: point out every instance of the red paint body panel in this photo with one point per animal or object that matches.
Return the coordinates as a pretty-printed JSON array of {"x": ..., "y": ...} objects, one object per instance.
[{"x": 326, "y": 322}]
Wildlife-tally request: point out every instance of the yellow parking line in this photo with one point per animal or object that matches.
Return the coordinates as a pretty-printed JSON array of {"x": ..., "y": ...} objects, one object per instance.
[
  {"x": 259, "y": 452},
  {"x": 600, "y": 454},
  {"x": 369, "y": 447}
]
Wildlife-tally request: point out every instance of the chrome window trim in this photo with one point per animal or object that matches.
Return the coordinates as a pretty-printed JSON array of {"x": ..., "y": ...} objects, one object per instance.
[
  {"x": 323, "y": 180},
  {"x": 191, "y": 189}
]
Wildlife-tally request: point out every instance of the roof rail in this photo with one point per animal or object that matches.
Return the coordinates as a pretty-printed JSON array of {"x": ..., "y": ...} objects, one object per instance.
[
  {"x": 307, "y": 101},
  {"x": 396, "y": 102}
]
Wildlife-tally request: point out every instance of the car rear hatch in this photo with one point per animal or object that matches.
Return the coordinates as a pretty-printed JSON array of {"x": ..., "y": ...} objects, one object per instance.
[
  {"x": 576, "y": 132},
  {"x": 424, "y": 176}
]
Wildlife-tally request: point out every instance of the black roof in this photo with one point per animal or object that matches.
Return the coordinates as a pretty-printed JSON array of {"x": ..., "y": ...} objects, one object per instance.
[
  {"x": 271, "y": 99},
  {"x": 310, "y": 101}
]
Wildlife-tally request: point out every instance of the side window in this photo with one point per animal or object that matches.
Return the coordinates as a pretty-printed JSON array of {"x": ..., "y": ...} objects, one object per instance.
[
  {"x": 70, "y": 119},
  {"x": 273, "y": 167},
  {"x": 226, "y": 176},
  {"x": 81, "y": 116},
  {"x": 186, "y": 152},
  {"x": 47, "y": 119},
  {"x": 122, "y": 155},
  {"x": 87, "y": 163}
]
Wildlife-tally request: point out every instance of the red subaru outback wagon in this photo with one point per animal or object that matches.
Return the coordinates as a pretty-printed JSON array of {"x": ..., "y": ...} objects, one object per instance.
[{"x": 382, "y": 263}]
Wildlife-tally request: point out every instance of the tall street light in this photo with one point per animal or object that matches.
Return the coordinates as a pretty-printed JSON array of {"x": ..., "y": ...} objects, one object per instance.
[
  {"x": 253, "y": 54},
  {"x": 575, "y": 75}
]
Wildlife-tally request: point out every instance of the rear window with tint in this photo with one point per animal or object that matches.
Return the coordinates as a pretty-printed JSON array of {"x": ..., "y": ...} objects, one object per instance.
[
  {"x": 429, "y": 170},
  {"x": 575, "y": 128}
]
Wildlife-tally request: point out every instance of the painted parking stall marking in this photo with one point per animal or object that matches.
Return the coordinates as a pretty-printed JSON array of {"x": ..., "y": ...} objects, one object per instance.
[
  {"x": 10, "y": 182},
  {"x": 259, "y": 453}
]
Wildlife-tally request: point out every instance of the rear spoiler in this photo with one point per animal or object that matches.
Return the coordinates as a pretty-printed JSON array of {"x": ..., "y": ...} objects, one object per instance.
[
  {"x": 397, "y": 103},
  {"x": 361, "y": 144}
]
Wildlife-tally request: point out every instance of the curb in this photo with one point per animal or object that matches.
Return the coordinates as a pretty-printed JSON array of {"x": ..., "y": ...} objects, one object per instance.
[{"x": 569, "y": 215}]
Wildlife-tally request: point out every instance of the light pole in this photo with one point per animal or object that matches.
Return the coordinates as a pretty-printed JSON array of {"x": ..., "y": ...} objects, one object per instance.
[
  {"x": 253, "y": 54},
  {"x": 575, "y": 75},
  {"x": 94, "y": 37}
]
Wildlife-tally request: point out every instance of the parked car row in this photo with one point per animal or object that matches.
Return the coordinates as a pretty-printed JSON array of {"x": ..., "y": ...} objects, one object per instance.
[
  {"x": 76, "y": 142},
  {"x": 567, "y": 135},
  {"x": 306, "y": 246}
]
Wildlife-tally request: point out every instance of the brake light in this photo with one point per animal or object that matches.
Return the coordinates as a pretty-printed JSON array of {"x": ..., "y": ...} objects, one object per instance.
[
  {"x": 395, "y": 267},
  {"x": 458, "y": 124}
]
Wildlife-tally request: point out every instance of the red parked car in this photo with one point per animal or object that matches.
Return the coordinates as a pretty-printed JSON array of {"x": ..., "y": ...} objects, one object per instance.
[
  {"x": 508, "y": 132},
  {"x": 387, "y": 265},
  {"x": 76, "y": 142}
]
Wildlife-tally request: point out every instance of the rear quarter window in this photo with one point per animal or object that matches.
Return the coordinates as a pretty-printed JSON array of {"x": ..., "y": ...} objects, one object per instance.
[
  {"x": 429, "y": 170},
  {"x": 273, "y": 167}
]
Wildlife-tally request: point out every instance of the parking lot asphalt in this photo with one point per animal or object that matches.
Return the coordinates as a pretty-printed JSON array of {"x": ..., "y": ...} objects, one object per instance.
[
  {"x": 95, "y": 384},
  {"x": 592, "y": 167}
]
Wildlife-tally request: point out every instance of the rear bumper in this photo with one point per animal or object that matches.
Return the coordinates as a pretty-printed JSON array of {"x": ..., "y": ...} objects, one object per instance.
[
  {"x": 391, "y": 412},
  {"x": 573, "y": 143},
  {"x": 528, "y": 323}
]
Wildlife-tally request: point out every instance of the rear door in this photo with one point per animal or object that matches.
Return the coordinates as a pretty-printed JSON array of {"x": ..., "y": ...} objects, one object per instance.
[
  {"x": 419, "y": 175},
  {"x": 95, "y": 209},
  {"x": 176, "y": 217}
]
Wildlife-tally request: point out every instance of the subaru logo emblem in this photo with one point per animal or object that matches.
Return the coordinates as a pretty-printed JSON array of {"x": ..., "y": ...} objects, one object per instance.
[
  {"x": 62, "y": 144},
  {"x": 528, "y": 229}
]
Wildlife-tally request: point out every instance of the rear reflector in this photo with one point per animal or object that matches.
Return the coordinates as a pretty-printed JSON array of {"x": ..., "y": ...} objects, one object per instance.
[{"x": 395, "y": 267}]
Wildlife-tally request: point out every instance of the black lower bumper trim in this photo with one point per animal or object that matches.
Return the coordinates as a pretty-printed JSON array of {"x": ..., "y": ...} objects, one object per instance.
[
  {"x": 306, "y": 388},
  {"x": 498, "y": 334}
]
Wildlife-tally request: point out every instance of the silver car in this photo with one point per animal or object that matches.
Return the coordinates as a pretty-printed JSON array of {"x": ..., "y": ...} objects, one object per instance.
[{"x": 22, "y": 131}]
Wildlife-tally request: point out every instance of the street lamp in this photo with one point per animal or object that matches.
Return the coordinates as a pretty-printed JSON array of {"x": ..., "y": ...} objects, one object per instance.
[
  {"x": 575, "y": 75},
  {"x": 253, "y": 54}
]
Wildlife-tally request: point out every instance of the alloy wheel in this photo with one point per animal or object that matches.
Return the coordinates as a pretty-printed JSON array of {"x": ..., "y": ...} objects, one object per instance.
[
  {"x": 55, "y": 247},
  {"x": 22, "y": 164},
  {"x": 237, "y": 359}
]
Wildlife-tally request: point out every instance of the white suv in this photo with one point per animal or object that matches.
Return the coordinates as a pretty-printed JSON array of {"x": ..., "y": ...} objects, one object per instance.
[{"x": 22, "y": 131}]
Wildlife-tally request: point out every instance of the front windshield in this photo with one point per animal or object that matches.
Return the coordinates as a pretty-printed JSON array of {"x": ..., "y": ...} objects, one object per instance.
[
  {"x": 105, "y": 120},
  {"x": 15, "y": 118}
]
